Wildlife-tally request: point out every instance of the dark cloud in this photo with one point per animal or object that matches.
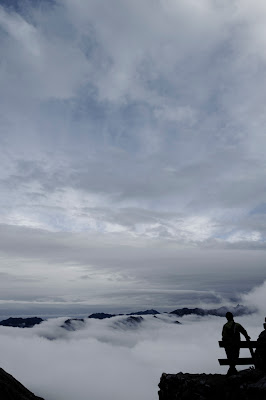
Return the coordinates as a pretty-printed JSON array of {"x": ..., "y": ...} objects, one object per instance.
[{"x": 79, "y": 270}]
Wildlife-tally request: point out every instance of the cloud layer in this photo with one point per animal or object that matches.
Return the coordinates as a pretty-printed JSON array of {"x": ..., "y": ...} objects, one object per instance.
[
  {"x": 48, "y": 273},
  {"x": 109, "y": 358}
]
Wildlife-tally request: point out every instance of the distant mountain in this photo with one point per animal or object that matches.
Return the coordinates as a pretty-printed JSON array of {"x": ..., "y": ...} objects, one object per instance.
[
  {"x": 21, "y": 322},
  {"x": 147, "y": 312},
  {"x": 180, "y": 312},
  {"x": 219, "y": 312},
  {"x": 101, "y": 315},
  {"x": 11, "y": 389},
  {"x": 76, "y": 323}
]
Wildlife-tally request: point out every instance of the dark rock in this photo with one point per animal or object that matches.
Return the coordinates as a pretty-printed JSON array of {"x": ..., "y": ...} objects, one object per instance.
[
  {"x": 73, "y": 324},
  {"x": 246, "y": 385},
  {"x": 21, "y": 322},
  {"x": 101, "y": 315},
  {"x": 219, "y": 312},
  {"x": 11, "y": 389}
]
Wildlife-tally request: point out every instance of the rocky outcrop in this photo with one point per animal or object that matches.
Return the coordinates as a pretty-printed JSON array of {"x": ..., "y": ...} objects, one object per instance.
[
  {"x": 132, "y": 322},
  {"x": 11, "y": 389},
  {"x": 21, "y": 322},
  {"x": 246, "y": 385},
  {"x": 73, "y": 324}
]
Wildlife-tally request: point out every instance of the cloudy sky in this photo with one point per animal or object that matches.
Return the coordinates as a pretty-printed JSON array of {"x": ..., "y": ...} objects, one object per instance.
[{"x": 132, "y": 153}]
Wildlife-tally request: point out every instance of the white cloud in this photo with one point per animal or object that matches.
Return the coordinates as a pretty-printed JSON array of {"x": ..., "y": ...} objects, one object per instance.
[
  {"x": 103, "y": 359},
  {"x": 35, "y": 67},
  {"x": 24, "y": 33},
  {"x": 103, "y": 100},
  {"x": 257, "y": 297},
  {"x": 245, "y": 236}
]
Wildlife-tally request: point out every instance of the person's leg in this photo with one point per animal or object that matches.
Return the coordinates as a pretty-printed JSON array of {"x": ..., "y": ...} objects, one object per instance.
[
  {"x": 235, "y": 356},
  {"x": 229, "y": 354},
  {"x": 232, "y": 353}
]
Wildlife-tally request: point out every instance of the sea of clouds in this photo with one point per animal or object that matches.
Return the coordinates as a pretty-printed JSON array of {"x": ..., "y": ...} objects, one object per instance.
[{"x": 109, "y": 359}]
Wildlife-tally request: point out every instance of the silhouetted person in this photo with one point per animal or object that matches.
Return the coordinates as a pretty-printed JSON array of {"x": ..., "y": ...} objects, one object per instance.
[
  {"x": 260, "y": 353},
  {"x": 231, "y": 338}
]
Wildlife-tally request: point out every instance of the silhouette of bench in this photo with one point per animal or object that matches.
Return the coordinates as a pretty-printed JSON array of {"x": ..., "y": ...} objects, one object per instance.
[{"x": 244, "y": 345}]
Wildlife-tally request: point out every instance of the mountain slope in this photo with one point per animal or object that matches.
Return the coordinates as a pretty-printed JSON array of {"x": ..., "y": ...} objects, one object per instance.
[
  {"x": 11, "y": 389},
  {"x": 218, "y": 312}
]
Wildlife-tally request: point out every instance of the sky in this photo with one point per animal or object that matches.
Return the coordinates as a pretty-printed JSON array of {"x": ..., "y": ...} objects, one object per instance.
[{"x": 132, "y": 154}]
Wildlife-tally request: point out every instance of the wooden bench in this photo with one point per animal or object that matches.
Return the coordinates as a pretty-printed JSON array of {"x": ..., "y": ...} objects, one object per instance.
[{"x": 244, "y": 345}]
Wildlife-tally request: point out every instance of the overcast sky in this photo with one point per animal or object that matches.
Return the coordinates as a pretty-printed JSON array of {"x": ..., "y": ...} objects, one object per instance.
[{"x": 132, "y": 153}]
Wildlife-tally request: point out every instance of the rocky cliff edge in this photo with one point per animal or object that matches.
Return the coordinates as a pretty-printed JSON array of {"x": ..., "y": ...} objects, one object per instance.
[{"x": 248, "y": 384}]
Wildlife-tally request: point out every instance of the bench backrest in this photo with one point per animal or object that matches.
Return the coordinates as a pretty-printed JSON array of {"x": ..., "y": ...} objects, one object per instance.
[
  {"x": 251, "y": 344},
  {"x": 247, "y": 345}
]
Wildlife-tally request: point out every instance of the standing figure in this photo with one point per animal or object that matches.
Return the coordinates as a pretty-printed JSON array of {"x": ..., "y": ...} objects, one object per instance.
[
  {"x": 260, "y": 353},
  {"x": 231, "y": 338}
]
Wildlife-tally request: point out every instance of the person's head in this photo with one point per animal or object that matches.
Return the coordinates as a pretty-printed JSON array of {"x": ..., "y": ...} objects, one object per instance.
[{"x": 229, "y": 316}]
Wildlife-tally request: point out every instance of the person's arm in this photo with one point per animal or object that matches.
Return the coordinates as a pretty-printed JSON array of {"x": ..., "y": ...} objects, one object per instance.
[{"x": 243, "y": 331}]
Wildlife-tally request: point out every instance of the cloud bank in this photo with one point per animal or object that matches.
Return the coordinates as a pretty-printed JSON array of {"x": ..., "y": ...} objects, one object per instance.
[
  {"x": 109, "y": 358},
  {"x": 63, "y": 274}
]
